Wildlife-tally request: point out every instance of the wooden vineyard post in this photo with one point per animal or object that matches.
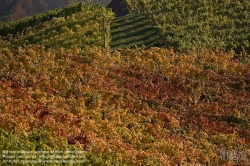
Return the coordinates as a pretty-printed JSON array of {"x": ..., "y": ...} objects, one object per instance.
[{"x": 104, "y": 31}]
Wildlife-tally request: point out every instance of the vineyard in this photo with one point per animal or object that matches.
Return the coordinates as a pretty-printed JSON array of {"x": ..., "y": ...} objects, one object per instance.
[
  {"x": 187, "y": 24},
  {"x": 14, "y": 10},
  {"x": 133, "y": 107},
  {"x": 74, "y": 26},
  {"x": 61, "y": 90}
]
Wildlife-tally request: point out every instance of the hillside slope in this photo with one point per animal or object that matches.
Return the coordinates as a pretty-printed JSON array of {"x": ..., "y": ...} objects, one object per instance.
[
  {"x": 143, "y": 107},
  {"x": 199, "y": 24},
  {"x": 18, "y": 9},
  {"x": 77, "y": 25}
]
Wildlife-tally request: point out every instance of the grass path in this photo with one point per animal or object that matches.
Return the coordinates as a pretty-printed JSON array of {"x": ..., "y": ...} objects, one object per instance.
[{"x": 131, "y": 31}]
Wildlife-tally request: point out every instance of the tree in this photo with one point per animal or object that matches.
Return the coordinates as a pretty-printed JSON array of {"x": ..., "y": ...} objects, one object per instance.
[
  {"x": 17, "y": 12},
  {"x": 27, "y": 6}
]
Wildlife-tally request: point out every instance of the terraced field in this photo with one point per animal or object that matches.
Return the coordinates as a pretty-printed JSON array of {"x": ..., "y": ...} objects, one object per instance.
[{"x": 131, "y": 31}]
